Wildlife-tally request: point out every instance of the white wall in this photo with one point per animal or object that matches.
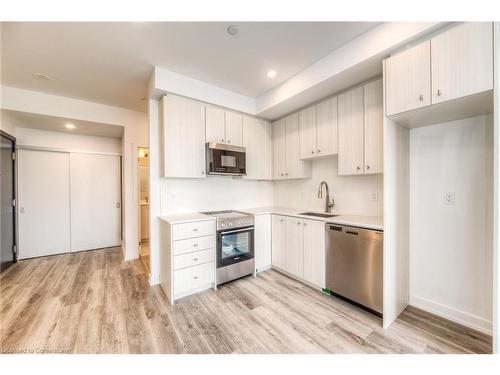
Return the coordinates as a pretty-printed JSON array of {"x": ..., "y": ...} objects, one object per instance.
[
  {"x": 67, "y": 141},
  {"x": 351, "y": 193},
  {"x": 135, "y": 134},
  {"x": 451, "y": 245},
  {"x": 213, "y": 193}
]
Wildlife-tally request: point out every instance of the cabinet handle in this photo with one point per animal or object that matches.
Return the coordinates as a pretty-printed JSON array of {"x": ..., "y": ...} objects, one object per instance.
[
  {"x": 358, "y": 168},
  {"x": 281, "y": 220},
  {"x": 228, "y": 141},
  {"x": 195, "y": 259},
  {"x": 202, "y": 172},
  {"x": 195, "y": 277},
  {"x": 282, "y": 174},
  {"x": 195, "y": 245},
  {"x": 222, "y": 140},
  {"x": 286, "y": 174},
  {"x": 367, "y": 167},
  {"x": 305, "y": 224},
  {"x": 439, "y": 92},
  {"x": 195, "y": 229},
  {"x": 319, "y": 151},
  {"x": 298, "y": 223},
  {"x": 312, "y": 152},
  {"x": 421, "y": 97}
]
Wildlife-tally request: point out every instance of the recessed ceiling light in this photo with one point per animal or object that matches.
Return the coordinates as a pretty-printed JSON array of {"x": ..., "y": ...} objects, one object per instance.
[
  {"x": 271, "y": 73},
  {"x": 69, "y": 126},
  {"x": 42, "y": 76},
  {"x": 233, "y": 30}
]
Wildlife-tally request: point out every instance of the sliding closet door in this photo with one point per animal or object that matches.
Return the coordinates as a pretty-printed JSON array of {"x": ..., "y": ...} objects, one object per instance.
[
  {"x": 44, "y": 214},
  {"x": 95, "y": 201}
]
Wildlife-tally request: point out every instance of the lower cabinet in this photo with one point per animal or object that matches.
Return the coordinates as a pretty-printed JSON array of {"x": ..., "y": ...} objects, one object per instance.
[
  {"x": 262, "y": 242},
  {"x": 298, "y": 247}
]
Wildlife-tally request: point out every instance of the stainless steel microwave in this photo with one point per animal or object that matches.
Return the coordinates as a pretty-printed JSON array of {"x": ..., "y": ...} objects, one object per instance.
[{"x": 227, "y": 160}]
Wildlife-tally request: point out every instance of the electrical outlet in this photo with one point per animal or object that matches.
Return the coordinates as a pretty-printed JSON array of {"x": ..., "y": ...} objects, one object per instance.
[
  {"x": 449, "y": 198},
  {"x": 373, "y": 196}
]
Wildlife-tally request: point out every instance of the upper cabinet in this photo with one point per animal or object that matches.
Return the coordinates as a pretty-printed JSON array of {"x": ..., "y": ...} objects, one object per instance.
[
  {"x": 257, "y": 139},
  {"x": 462, "y": 61},
  {"x": 318, "y": 130},
  {"x": 360, "y": 125},
  {"x": 453, "y": 64},
  {"x": 183, "y": 137},
  {"x": 224, "y": 126},
  {"x": 286, "y": 150},
  {"x": 408, "y": 79}
]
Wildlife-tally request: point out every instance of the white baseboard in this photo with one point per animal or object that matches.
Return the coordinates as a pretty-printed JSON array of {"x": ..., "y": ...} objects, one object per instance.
[
  {"x": 450, "y": 313},
  {"x": 154, "y": 280}
]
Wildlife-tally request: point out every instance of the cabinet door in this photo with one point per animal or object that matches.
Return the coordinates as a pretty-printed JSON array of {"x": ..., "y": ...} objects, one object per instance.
[
  {"x": 462, "y": 61},
  {"x": 234, "y": 128},
  {"x": 307, "y": 132},
  {"x": 257, "y": 140},
  {"x": 350, "y": 113},
  {"x": 314, "y": 252},
  {"x": 183, "y": 137},
  {"x": 326, "y": 127},
  {"x": 262, "y": 242},
  {"x": 294, "y": 247},
  {"x": 278, "y": 240},
  {"x": 408, "y": 79},
  {"x": 373, "y": 127},
  {"x": 279, "y": 149},
  {"x": 293, "y": 162},
  {"x": 215, "y": 124}
]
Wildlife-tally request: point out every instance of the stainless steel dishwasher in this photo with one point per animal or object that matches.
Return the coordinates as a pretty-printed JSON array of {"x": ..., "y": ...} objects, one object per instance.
[{"x": 354, "y": 270}]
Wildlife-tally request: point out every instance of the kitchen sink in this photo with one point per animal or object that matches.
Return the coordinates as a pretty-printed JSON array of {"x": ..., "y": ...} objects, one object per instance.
[{"x": 317, "y": 214}]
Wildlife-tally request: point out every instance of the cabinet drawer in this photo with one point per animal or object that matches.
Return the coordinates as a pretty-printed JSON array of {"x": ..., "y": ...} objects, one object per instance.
[
  {"x": 193, "y": 277},
  {"x": 193, "y": 259},
  {"x": 194, "y": 229},
  {"x": 193, "y": 244}
]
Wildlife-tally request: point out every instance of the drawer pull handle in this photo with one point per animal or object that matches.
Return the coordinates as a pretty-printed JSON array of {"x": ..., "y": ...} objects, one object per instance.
[
  {"x": 195, "y": 277},
  {"x": 195, "y": 259},
  {"x": 195, "y": 244},
  {"x": 195, "y": 230}
]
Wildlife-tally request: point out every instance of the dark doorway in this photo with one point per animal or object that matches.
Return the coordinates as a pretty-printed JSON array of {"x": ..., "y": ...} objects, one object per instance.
[{"x": 7, "y": 199}]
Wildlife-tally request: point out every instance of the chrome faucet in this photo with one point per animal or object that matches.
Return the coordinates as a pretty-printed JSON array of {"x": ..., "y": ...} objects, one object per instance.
[{"x": 328, "y": 204}]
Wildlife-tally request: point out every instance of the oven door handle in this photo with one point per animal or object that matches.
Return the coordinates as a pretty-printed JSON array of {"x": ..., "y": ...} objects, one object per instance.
[{"x": 237, "y": 230}]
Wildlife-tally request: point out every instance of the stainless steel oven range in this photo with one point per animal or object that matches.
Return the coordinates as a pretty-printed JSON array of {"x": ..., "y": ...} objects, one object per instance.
[{"x": 235, "y": 245}]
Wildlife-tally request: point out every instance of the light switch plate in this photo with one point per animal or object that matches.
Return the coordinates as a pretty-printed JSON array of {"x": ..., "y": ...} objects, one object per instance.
[
  {"x": 449, "y": 198},
  {"x": 373, "y": 196}
]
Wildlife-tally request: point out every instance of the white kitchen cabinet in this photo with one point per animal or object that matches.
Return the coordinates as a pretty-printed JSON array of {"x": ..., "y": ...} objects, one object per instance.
[
  {"x": 294, "y": 246},
  {"x": 257, "y": 140},
  {"x": 234, "y": 128},
  {"x": 307, "y": 132},
  {"x": 263, "y": 242},
  {"x": 408, "y": 79},
  {"x": 326, "y": 127},
  {"x": 279, "y": 149},
  {"x": 278, "y": 251},
  {"x": 314, "y": 252},
  {"x": 215, "y": 124},
  {"x": 462, "y": 61},
  {"x": 351, "y": 144},
  {"x": 373, "y": 127},
  {"x": 183, "y": 137}
]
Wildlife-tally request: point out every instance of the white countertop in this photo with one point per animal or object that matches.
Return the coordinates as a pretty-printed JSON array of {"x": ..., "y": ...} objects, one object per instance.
[
  {"x": 182, "y": 218},
  {"x": 370, "y": 222}
]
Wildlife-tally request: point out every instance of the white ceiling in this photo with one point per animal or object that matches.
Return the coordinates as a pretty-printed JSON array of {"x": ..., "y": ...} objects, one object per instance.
[
  {"x": 111, "y": 63},
  {"x": 52, "y": 123}
]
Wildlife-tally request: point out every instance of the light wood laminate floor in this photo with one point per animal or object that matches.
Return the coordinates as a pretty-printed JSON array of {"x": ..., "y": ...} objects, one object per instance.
[{"x": 93, "y": 302}]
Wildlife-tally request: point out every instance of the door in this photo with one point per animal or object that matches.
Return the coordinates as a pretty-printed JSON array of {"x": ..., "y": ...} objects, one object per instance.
[
  {"x": 7, "y": 189},
  {"x": 408, "y": 79},
  {"x": 258, "y": 145},
  {"x": 183, "y": 137},
  {"x": 234, "y": 128},
  {"x": 462, "y": 61},
  {"x": 44, "y": 203},
  {"x": 278, "y": 251},
  {"x": 215, "y": 125},
  {"x": 292, "y": 159},
  {"x": 294, "y": 247},
  {"x": 314, "y": 252},
  {"x": 307, "y": 132},
  {"x": 263, "y": 244},
  {"x": 326, "y": 127},
  {"x": 95, "y": 201},
  {"x": 351, "y": 145},
  {"x": 373, "y": 127},
  {"x": 279, "y": 149}
]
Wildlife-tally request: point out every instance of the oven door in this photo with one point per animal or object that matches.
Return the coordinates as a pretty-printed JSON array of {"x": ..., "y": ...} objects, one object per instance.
[
  {"x": 226, "y": 159},
  {"x": 234, "y": 246}
]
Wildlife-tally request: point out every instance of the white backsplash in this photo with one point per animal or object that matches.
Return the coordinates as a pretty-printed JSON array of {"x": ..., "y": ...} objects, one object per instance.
[{"x": 352, "y": 194}]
